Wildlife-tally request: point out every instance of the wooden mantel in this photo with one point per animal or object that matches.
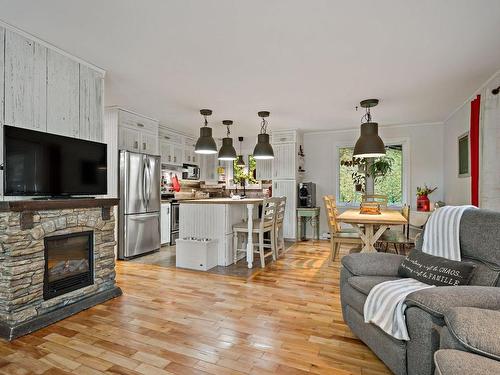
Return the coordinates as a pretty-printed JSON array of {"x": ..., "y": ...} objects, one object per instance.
[{"x": 27, "y": 207}]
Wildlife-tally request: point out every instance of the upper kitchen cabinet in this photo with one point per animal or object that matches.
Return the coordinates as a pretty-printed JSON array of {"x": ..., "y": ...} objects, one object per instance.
[
  {"x": 63, "y": 95},
  {"x": 91, "y": 104},
  {"x": 137, "y": 133},
  {"x": 25, "y": 101}
]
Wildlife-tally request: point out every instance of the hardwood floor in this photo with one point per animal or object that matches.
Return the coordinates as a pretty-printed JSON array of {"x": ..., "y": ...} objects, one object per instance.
[{"x": 285, "y": 319}]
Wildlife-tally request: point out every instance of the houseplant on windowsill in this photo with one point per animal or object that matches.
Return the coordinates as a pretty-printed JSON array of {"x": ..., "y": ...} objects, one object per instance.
[{"x": 423, "y": 203}]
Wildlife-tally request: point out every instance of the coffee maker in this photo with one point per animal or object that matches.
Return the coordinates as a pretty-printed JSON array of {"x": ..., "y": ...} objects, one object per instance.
[{"x": 307, "y": 194}]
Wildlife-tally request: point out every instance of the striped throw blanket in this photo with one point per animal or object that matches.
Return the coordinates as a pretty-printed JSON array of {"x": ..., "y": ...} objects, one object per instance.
[
  {"x": 442, "y": 232},
  {"x": 385, "y": 305}
]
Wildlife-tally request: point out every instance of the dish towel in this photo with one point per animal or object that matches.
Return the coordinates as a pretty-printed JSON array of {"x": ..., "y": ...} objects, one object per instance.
[
  {"x": 442, "y": 232},
  {"x": 385, "y": 305}
]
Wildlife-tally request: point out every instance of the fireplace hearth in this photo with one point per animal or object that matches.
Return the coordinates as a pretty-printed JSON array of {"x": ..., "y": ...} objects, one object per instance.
[{"x": 68, "y": 263}]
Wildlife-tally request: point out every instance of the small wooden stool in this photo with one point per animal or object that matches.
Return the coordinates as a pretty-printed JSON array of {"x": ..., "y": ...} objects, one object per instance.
[{"x": 305, "y": 214}]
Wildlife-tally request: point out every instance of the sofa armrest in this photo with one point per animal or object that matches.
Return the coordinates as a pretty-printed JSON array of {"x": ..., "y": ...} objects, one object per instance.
[
  {"x": 372, "y": 264},
  {"x": 438, "y": 300},
  {"x": 478, "y": 330}
]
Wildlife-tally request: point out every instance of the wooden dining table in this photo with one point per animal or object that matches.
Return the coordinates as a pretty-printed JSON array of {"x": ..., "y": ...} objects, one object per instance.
[{"x": 365, "y": 224}]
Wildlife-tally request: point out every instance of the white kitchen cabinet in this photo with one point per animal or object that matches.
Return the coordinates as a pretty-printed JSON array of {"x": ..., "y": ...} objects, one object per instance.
[
  {"x": 165, "y": 223},
  {"x": 288, "y": 189},
  {"x": 129, "y": 139},
  {"x": 25, "y": 86},
  {"x": 63, "y": 95},
  {"x": 178, "y": 154},
  {"x": 149, "y": 143},
  {"x": 264, "y": 169},
  {"x": 166, "y": 152},
  {"x": 137, "y": 133},
  {"x": 284, "y": 162},
  {"x": 91, "y": 104}
]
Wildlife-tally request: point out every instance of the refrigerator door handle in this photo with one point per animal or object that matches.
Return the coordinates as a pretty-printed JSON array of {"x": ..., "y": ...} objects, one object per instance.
[
  {"x": 149, "y": 185},
  {"x": 144, "y": 183}
]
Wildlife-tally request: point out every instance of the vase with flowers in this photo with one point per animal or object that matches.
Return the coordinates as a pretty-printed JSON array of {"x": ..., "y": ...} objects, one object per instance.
[{"x": 423, "y": 203}]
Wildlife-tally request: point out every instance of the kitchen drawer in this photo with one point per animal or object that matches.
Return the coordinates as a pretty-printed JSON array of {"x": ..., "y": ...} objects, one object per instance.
[
  {"x": 132, "y": 120},
  {"x": 288, "y": 136},
  {"x": 168, "y": 136}
]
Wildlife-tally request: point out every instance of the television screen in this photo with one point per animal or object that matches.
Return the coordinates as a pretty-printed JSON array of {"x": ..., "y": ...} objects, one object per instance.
[{"x": 37, "y": 163}]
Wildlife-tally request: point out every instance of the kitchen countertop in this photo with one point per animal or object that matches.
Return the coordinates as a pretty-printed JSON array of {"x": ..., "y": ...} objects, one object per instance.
[{"x": 222, "y": 201}]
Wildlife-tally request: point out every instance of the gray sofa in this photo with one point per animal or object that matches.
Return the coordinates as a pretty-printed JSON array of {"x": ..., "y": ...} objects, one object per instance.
[
  {"x": 470, "y": 342},
  {"x": 479, "y": 243}
]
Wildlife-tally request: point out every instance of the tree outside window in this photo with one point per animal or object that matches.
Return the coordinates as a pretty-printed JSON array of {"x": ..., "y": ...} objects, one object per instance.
[{"x": 390, "y": 185}]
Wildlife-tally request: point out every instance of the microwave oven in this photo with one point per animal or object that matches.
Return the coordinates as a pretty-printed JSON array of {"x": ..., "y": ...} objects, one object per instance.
[{"x": 190, "y": 172}]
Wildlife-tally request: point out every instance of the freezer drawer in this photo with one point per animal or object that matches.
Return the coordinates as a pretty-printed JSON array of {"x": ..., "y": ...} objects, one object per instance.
[{"x": 141, "y": 234}]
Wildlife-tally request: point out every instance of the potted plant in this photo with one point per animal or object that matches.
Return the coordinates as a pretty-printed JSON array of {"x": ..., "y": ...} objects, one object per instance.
[
  {"x": 423, "y": 203},
  {"x": 380, "y": 167},
  {"x": 359, "y": 181}
]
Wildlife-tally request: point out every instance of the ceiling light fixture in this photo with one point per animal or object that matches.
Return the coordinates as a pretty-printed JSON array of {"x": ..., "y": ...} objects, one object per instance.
[
  {"x": 206, "y": 143},
  {"x": 240, "y": 162},
  {"x": 263, "y": 149},
  {"x": 369, "y": 144},
  {"x": 227, "y": 151}
]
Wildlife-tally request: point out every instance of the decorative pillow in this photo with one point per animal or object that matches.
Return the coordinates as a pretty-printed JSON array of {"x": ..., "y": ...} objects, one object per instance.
[{"x": 435, "y": 270}]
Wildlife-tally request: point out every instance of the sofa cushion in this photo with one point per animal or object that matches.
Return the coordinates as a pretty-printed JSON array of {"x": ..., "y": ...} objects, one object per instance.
[
  {"x": 372, "y": 264},
  {"x": 437, "y": 300},
  {"x": 456, "y": 362},
  {"x": 364, "y": 284},
  {"x": 484, "y": 274},
  {"x": 480, "y": 237},
  {"x": 476, "y": 329},
  {"x": 434, "y": 270}
]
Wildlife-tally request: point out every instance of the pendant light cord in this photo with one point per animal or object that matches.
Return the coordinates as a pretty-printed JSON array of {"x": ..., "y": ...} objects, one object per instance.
[
  {"x": 263, "y": 126},
  {"x": 206, "y": 120},
  {"x": 367, "y": 116},
  {"x": 228, "y": 131}
]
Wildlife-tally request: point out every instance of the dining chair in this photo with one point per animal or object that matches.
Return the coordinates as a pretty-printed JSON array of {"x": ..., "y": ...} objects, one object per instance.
[
  {"x": 399, "y": 239},
  {"x": 266, "y": 224},
  {"x": 338, "y": 236},
  {"x": 377, "y": 198},
  {"x": 278, "y": 227}
]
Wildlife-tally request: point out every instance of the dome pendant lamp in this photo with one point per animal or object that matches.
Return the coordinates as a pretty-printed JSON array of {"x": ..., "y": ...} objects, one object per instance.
[
  {"x": 227, "y": 151},
  {"x": 263, "y": 149},
  {"x": 240, "y": 162},
  {"x": 369, "y": 144},
  {"x": 206, "y": 143}
]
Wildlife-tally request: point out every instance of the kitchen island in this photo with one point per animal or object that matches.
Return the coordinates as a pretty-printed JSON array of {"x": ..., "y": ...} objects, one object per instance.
[{"x": 214, "y": 219}]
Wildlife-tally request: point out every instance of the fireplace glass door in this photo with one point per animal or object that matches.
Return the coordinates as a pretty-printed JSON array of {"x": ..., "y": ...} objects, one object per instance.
[{"x": 68, "y": 263}]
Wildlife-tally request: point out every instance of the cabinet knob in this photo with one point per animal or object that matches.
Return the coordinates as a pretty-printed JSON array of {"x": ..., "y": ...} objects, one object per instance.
[
  {"x": 140, "y": 125},
  {"x": 143, "y": 145},
  {"x": 136, "y": 144}
]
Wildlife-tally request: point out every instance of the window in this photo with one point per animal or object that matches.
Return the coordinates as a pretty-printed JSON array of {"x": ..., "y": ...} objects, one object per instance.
[
  {"x": 463, "y": 155},
  {"x": 390, "y": 185},
  {"x": 247, "y": 172}
]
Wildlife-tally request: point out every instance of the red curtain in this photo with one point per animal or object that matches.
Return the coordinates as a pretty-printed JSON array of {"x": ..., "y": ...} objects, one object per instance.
[{"x": 474, "y": 149}]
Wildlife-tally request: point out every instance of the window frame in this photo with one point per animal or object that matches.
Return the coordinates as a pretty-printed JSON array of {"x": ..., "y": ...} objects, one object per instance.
[{"x": 406, "y": 173}]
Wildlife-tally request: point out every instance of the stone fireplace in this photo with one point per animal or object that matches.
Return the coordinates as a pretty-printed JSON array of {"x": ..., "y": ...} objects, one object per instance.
[{"x": 56, "y": 259}]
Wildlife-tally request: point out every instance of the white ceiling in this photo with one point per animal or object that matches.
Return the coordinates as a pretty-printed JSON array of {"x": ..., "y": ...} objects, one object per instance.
[{"x": 309, "y": 62}]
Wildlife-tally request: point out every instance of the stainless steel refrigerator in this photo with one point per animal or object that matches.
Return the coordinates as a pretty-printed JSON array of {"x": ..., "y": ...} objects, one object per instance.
[{"x": 139, "y": 216}]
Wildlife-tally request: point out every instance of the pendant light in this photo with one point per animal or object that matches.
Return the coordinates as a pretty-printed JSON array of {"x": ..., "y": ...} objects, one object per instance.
[
  {"x": 263, "y": 149},
  {"x": 227, "y": 151},
  {"x": 240, "y": 162},
  {"x": 206, "y": 143},
  {"x": 369, "y": 144}
]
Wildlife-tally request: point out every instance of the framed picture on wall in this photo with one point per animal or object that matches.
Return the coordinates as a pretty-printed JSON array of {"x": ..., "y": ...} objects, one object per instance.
[{"x": 463, "y": 155}]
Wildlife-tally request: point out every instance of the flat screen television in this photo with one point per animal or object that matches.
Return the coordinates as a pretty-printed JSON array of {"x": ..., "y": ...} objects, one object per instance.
[{"x": 43, "y": 164}]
